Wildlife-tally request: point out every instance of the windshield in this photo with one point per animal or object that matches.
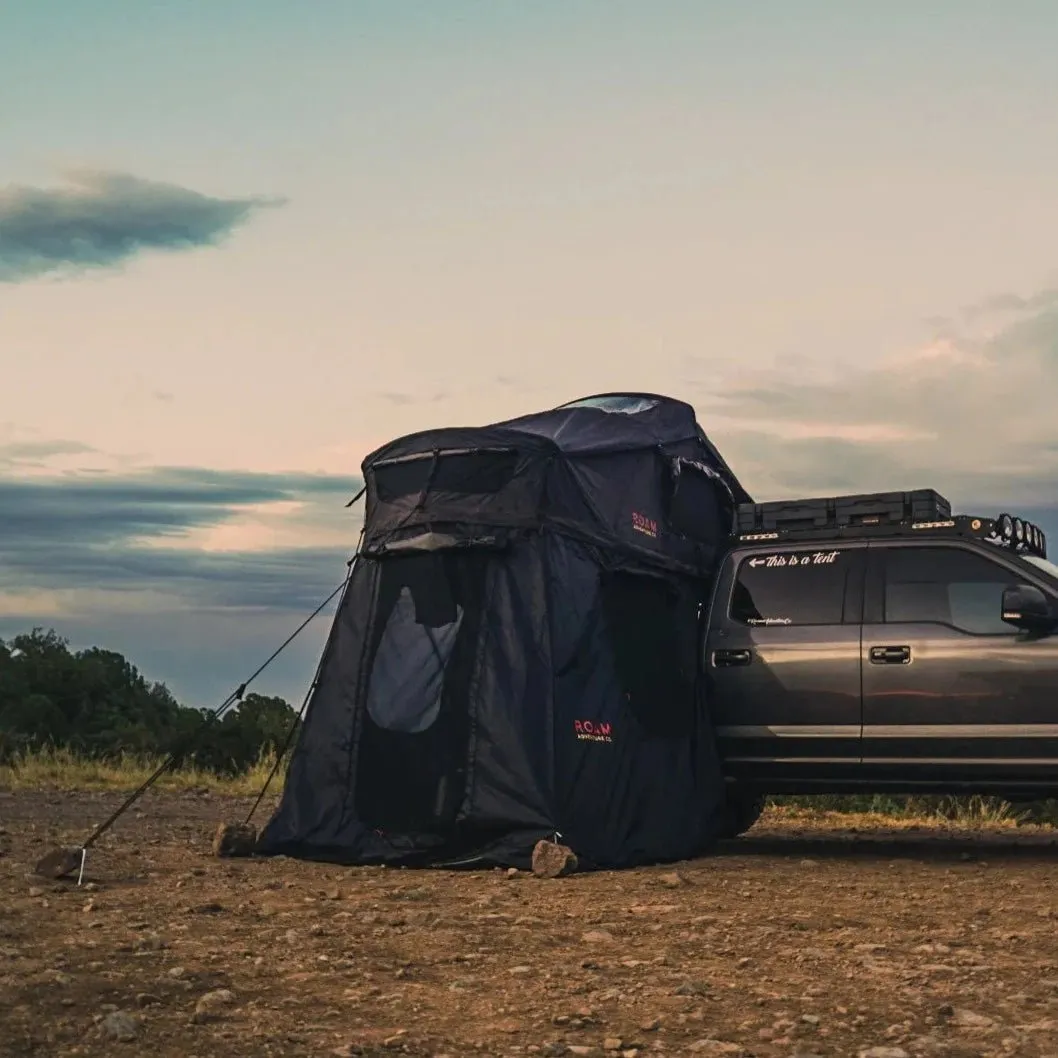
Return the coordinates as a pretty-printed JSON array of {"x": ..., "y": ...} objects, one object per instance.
[{"x": 1041, "y": 563}]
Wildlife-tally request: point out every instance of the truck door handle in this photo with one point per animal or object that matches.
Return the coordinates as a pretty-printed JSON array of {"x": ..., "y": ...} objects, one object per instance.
[
  {"x": 730, "y": 658},
  {"x": 890, "y": 655}
]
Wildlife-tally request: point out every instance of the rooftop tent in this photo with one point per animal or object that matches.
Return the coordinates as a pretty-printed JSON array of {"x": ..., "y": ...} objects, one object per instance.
[{"x": 516, "y": 653}]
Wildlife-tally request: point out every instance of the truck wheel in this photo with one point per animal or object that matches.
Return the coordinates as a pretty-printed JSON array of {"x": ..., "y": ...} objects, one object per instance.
[{"x": 741, "y": 812}]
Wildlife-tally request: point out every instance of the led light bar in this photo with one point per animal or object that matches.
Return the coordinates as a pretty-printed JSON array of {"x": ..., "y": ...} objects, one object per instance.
[{"x": 1021, "y": 534}]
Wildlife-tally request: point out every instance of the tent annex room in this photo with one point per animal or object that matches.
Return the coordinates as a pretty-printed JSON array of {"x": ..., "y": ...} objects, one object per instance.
[{"x": 515, "y": 655}]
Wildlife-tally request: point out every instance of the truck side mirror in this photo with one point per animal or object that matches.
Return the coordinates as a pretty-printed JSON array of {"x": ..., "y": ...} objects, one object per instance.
[{"x": 1027, "y": 608}]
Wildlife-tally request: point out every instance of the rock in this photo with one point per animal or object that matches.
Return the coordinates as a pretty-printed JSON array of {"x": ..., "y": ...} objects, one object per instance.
[
  {"x": 234, "y": 839},
  {"x": 693, "y": 988},
  {"x": 711, "y": 1046},
  {"x": 553, "y": 861},
  {"x": 650, "y": 1026},
  {"x": 672, "y": 880},
  {"x": 147, "y": 999},
  {"x": 612, "y": 1043},
  {"x": 117, "y": 1025},
  {"x": 968, "y": 1019},
  {"x": 334, "y": 893},
  {"x": 212, "y": 1005},
  {"x": 926, "y": 1045},
  {"x": 596, "y": 936},
  {"x": 519, "y": 971},
  {"x": 59, "y": 863},
  {"x": 513, "y": 872},
  {"x": 884, "y": 1052}
]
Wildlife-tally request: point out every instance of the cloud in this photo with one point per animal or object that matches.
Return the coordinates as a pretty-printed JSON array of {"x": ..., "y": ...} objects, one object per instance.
[
  {"x": 1006, "y": 303},
  {"x": 36, "y": 452},
  {"x": 407, "y": 400},
  {"x": 103, "y": 219},
  {"x": 973, "y": 414},
  {"x": 283, "y": 538},
  {"x": 196, "y": 575}
]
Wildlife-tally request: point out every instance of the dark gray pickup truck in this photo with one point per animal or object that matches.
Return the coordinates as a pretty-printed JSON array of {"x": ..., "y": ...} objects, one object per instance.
[{"x": 880, "y": 644}]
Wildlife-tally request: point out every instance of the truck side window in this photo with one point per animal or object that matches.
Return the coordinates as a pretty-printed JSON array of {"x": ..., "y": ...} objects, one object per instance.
[
  {"x": 945, "y": 585},
  {"x": 792, "y": 588}
]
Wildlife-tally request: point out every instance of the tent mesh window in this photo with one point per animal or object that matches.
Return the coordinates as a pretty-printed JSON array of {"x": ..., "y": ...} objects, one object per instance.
[
  {"x": 482, "y": 471},
  {"x": 651, "y": 626},
  {"x": 414, "y": 743},
  {"x": 617, "y": 403}
]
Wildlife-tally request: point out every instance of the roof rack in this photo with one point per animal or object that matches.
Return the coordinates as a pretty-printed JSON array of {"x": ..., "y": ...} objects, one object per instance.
[{"x": 923, "y": 512}]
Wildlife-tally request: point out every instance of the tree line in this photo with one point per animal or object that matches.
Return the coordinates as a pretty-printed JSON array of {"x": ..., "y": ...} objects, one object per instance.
[{"x": 97, "y": 703}]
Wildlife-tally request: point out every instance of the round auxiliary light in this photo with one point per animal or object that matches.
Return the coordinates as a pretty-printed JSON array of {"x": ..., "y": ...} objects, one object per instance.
[
  {"x": 1019, "y": 529},
  {"x": 1006, "y": 526},
  {"x": 1034, "y": 536},
  {"x": 1043, "y": 542}
]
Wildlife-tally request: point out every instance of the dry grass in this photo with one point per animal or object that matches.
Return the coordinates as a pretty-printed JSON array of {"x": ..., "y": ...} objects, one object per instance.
[
  {"x": 906, "y": 813},
  {"x": 65, "y": 770},
  {"x": 60, "y": 769}
]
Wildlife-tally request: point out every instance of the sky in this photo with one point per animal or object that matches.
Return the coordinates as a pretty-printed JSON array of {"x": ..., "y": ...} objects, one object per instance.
[{"x": 244, "y": 243}]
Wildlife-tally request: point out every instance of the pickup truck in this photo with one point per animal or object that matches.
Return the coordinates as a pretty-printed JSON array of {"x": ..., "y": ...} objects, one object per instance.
[{"x": 904, "y": 654}]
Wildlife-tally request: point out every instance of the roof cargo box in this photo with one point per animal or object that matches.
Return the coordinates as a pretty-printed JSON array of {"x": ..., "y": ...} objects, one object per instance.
[
  {"x": 838, "y": 512},
  {"x": 882, "y": 508},
  {"x": 785, "y": 514}
]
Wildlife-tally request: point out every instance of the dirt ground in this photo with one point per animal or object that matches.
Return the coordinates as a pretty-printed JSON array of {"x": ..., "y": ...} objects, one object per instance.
[{"x": 789, "y": 941}]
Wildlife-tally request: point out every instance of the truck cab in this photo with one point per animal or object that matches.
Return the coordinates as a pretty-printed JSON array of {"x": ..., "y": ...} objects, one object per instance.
[{"x": 879, "y": 644}]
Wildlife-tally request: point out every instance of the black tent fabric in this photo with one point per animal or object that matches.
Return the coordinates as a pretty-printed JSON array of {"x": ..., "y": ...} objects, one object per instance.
[{"x": 516, "y": 654}]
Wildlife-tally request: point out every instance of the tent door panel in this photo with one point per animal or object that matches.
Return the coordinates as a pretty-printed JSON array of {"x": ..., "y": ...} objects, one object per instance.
[
  {"x": 414, "y": 747},
  {"x": 652, "y": 628}
]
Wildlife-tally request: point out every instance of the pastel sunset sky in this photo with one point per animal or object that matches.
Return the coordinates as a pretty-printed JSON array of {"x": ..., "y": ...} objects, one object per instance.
[{"x": 243, "y": 243}]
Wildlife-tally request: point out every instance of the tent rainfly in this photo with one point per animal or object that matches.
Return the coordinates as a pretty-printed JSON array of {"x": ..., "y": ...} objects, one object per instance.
[{"x": 516, "y": 653}]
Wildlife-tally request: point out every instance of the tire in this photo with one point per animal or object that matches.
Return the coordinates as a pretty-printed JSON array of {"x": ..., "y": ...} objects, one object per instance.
[{"x": 741, "y": 812}]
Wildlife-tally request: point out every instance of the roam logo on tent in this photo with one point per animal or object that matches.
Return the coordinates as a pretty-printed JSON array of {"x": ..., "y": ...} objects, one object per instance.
[
  {"x": 593, "y": 730},
  {"x": 642, "y": 524}
]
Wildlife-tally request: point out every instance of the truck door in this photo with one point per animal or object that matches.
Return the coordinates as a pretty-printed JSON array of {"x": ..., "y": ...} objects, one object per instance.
[
  {"x": 953, "y": 694},
  {"x": 782, "y": 662}
]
